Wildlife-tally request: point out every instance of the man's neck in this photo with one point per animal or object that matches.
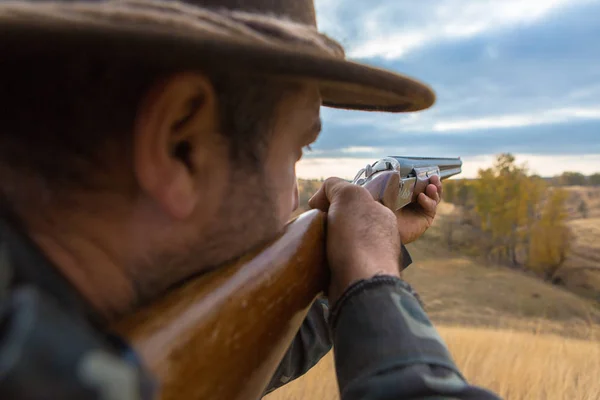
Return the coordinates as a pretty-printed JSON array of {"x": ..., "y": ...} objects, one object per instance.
[{"x": 86, "y": 257}]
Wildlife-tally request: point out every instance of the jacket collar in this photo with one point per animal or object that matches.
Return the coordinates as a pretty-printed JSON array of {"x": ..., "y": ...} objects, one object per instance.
[{"x": 23, "y": 263}]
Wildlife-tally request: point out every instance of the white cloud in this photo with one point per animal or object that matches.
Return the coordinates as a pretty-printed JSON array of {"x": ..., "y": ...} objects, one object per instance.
[
  {"x": 389, "y": 47},
  {"x": 359, "y": 149},
  {"x": 381, "y": 34},
  {"x": 553, "y": 116},
  {"x": 317, "y": 168},
  {"x": 430, "y": 122}
]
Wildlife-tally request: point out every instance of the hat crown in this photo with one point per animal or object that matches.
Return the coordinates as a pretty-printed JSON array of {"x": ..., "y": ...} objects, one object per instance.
[{"x": 299, "y": 11}]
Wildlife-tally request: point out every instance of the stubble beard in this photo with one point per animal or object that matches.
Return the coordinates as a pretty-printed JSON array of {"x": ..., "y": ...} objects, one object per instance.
[{"x": 247, "y": 220}]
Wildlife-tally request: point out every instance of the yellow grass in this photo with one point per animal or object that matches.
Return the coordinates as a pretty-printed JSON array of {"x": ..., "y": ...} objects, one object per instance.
[
  {"x": 585, "y": 246},
  {"x": 589, "y": 195},
  {"x": 519, "y": 365},
  {"x": 515, "y": 365}
]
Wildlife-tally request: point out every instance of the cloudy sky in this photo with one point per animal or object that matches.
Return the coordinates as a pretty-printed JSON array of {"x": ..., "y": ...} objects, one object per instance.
[{"x": 520, "y": 76}]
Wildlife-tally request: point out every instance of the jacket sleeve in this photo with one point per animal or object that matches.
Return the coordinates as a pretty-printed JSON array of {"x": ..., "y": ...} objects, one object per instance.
[{"x": 387, "y": 348}]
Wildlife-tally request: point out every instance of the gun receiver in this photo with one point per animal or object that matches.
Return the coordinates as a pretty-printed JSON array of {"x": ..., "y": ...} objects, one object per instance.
[{"x": 414, "y": 172}]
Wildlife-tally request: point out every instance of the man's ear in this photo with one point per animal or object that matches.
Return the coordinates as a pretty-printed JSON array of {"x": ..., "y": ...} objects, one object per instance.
[{"x": 175, "y": 136}]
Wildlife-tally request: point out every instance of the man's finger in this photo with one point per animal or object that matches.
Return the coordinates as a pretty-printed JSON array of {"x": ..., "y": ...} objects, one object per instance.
[
  {"x": 432, "y": 192},
  {"x": 428, "y": 204},
  {"x": 319, "y": 200},
  {"x": 435, "y": 180}
]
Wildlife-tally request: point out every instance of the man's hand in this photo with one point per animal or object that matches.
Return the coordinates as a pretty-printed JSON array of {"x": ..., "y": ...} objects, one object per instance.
[
  {"x": 416, "y": 218},
  {"x": 362, "y": 235}
]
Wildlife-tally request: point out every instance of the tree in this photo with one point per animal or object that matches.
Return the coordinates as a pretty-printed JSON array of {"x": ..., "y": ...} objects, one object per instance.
[
  {"x": 522, "y": 221},
  {"x": 594, "y": 179},
  {"x": 458, "y": 192},
  {"x": 550, "y": 236},
  {"x": 506, "y": 201},
  {"x": 572, "y": 179},
  {"x": 464, "y": 193}
]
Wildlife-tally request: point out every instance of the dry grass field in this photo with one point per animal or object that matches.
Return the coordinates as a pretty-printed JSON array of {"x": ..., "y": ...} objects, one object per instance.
[
  {"x": 581, "y": 272},
  {"x": 586, "y": 243},
  {"x": 590, "y": 195},
  {"x": 516, "y": 365}
]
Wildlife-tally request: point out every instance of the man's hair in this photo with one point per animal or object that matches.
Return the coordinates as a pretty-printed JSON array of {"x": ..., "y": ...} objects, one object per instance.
[{"x": 67, "y": 123}]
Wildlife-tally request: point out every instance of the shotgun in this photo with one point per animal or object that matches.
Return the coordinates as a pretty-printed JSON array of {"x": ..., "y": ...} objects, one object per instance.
[{"x": 222, "y": 335}]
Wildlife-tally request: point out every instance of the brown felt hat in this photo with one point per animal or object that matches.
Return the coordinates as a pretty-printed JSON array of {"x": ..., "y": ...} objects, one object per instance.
[{"x": 277, "y": 37}]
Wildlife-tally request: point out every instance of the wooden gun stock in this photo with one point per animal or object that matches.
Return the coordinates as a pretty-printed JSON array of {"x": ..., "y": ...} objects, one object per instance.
[{"x": 223, "y": 334}]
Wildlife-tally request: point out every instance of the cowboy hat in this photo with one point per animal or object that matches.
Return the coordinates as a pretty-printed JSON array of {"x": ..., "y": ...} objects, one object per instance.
[{"x": 278, "y": 37}]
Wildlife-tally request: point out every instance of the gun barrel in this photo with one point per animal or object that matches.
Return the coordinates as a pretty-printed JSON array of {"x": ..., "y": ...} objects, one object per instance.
[
  {"x": 448, "y": 166},
  {"x": 447, "y": 173}
]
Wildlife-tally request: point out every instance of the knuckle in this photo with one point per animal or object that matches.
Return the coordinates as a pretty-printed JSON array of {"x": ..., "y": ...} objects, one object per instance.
[
  {"x": 331, "y": 181},
  {"x": 351, "y": 192}
]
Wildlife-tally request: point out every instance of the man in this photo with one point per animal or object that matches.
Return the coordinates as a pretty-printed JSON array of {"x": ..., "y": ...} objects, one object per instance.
[{"x": 144, "y": 142}]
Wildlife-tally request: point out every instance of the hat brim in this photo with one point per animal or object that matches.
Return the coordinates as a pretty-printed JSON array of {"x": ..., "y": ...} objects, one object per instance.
[{"x": 344, "y": 84}]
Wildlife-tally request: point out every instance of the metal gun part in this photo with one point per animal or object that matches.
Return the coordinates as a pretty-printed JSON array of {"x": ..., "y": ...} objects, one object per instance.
[{"x": 414, "y": 172}]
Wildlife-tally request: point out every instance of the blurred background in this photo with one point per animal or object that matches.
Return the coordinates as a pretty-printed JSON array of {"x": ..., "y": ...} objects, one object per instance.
[{"x": 510, "y": 271}]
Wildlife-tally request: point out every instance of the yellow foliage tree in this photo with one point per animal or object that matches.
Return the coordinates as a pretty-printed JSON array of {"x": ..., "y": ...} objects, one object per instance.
[
  {"x": 506, "y": 198},
  {"x": 550, "y": 236}
]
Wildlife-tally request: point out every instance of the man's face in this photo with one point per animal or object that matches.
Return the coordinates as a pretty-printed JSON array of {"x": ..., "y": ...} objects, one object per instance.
[
  {"x": 298, "y": 124},
  {"x": 242, "y": 207},
  {"x": 259, "y": 202}
]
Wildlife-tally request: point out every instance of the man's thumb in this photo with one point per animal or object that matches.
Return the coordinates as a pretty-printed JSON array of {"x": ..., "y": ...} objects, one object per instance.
[{"x": 324, "y": 196}]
